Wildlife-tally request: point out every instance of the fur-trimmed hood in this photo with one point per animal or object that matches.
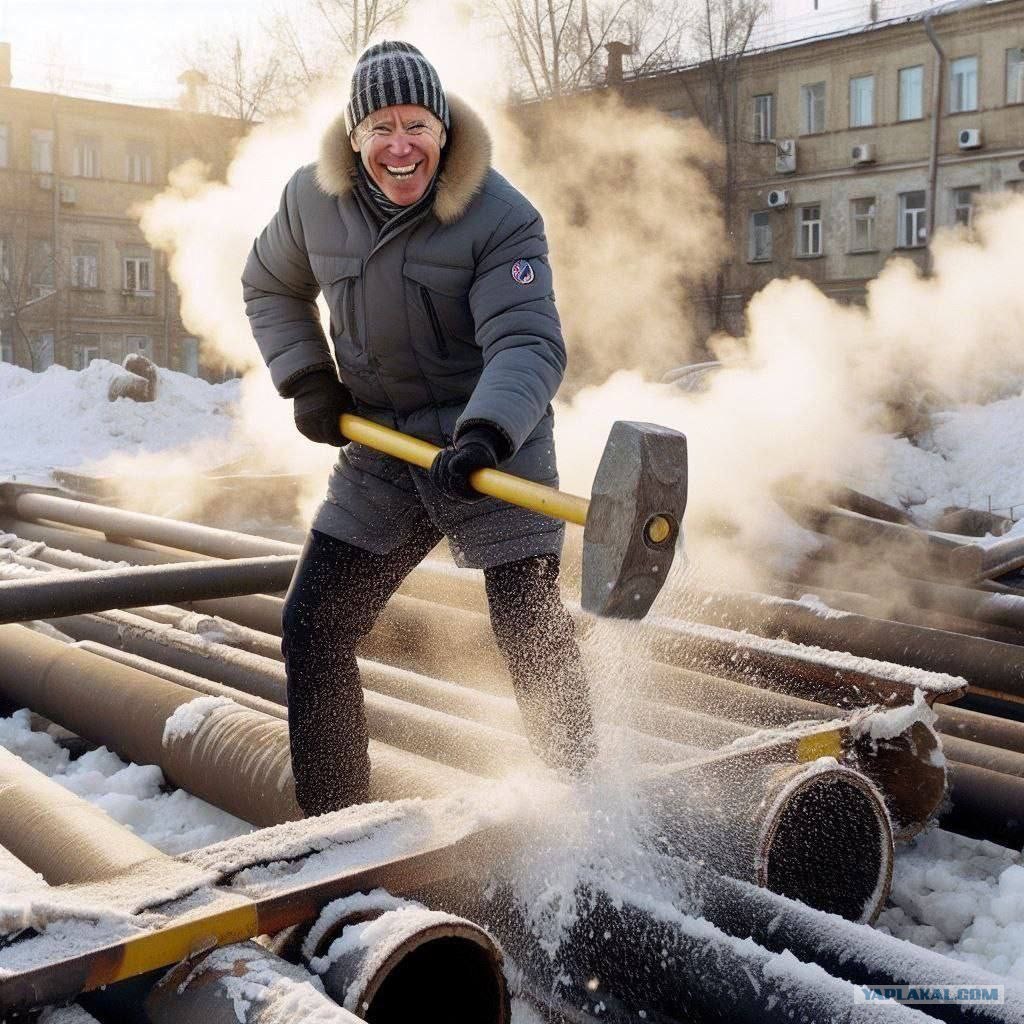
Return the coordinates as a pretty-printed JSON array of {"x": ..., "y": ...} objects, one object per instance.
[{"x": 466, "y": 162}]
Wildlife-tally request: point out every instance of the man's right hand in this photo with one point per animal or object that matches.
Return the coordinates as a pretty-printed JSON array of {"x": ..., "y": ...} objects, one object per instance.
[{"x": 319, "y": 401}]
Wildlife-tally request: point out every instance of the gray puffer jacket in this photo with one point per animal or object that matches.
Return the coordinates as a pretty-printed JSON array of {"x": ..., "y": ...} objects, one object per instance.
[{"x": 432, "y": 329}]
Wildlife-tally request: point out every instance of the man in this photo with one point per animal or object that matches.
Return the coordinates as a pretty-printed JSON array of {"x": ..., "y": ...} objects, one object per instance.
[{"x": 443, "y": 323}]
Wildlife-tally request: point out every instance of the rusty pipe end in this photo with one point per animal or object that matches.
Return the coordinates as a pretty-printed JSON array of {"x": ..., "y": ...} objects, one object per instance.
[
  {"x": 384, "y": 962},
  {"x": 827, "y": 841}
]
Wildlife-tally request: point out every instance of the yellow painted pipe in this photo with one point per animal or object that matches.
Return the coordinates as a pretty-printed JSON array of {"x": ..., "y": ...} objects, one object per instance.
[{"x": 492, "y": 482}]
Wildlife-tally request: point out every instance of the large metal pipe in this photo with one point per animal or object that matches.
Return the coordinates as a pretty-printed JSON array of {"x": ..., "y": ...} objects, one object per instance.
[
  {"x": 443, "y": 738},
  {"x": 22, "y": 600},
  {"x": 58, "y": 834},
  {"x": 985, "y": 663},
  {"x": 245, "y": 982},
  {"x": 385, "y": 958},
  {"x": 235, "y": 758},
  {"x": 985, "y": 561}
]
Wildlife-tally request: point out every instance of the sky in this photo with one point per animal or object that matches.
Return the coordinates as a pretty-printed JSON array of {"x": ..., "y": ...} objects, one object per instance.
[{"x": 131, "y": 47}]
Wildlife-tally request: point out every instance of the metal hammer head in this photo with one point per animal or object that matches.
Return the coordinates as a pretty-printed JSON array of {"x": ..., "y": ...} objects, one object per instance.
[{"x": 636, "y": 508}]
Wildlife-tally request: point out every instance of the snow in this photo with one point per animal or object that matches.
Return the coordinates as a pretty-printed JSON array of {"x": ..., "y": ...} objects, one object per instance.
[
  {"x": 890, "y": 723},
  {"x": 62, "y": 418},
  {"x": 971, "y": 457},
  {"x": 189, "y": 718},
  {"x": 132, "y": 794},
  {"x": 961, "y": 897}
]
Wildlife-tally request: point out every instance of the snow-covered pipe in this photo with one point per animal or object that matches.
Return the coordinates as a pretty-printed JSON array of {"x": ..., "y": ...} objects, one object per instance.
[
  {"x": 235, "y": 758},
  {"x": 816, "y": 832},
  {"x": 52, "y": 831},
  {"x": 244, "y": 982},
  {"x": 986, "y": 561},
  {"x": 385, "y": 958}
]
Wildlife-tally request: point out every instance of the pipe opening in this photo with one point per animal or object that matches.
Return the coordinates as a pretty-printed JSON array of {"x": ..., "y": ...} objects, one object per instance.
[
  {"x": 831, "y": 848},
  {"x": 457, "y": 974}
]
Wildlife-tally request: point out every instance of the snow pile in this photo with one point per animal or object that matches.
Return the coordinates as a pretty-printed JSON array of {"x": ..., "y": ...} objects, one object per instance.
[
  {"x": 61, "y": 418},
  {"x": 972, "y": 457},
  {"x": 961, "y": 897},
  {"x": 132, "y": 794},
  {"x": 188, "y": 718}
]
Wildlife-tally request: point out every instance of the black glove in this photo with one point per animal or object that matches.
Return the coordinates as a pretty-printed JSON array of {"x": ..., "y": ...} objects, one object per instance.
[
  {"x": 480, "y": 447},
  {"x": 320, "y": 399}
]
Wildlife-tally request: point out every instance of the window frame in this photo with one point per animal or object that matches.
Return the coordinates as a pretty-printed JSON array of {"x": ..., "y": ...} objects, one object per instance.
[
  {"x": 41, "y": 281},
  {"x": 802, "y": 224},
  {"x": 870, "y": 122},
  {"x": 6, "y": 257},
  {"x": 131, "y": 344},
  {"x": 1019, "y": 65},
  {"x": 808, "y": 106},
  {"x": 752, "y": 235},
  {"x": 77, "y": 255},
  {"x": 920, "y": 219},
  {"x": 137, "y": 262},
  {"x": 956, "y": 206},
  {"x": 870, "y": 218},
  {"x": 764, "y": 132},
  {"x": 37, "y": 137},
  {"x": 91, "y": 146},
  {"x": 900, "y": 93},
  {"x": 81, "y": 348},
  {"x": 6, "y": 346},
  {"x": 138, "y": 156},
  {"x": 975, "y": 78}
]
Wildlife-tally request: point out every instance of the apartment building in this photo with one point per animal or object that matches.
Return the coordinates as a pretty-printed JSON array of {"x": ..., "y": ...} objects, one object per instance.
[
  {"x": 834, "y": 144},
  {"x": 78, "y": 280}
]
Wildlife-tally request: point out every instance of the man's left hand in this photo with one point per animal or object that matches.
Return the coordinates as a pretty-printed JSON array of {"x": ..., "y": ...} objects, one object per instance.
[{"x": 480, "y": 447}]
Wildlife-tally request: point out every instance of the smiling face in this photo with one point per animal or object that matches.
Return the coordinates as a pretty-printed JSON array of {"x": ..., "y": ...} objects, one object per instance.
[{"x": 400, "y": 148}]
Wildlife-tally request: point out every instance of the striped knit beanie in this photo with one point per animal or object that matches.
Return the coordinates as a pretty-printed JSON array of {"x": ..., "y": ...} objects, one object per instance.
[{"x": 393, "y": 73}]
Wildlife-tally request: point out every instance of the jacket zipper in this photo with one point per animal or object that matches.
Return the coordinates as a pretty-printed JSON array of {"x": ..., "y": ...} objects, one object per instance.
[{"x": 435, "y": 322}]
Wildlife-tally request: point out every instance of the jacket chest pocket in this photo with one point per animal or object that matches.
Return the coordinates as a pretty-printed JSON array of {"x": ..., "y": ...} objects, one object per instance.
[
  {"x": 442, "y": 295},
  {"x": 338, "y": 277}
]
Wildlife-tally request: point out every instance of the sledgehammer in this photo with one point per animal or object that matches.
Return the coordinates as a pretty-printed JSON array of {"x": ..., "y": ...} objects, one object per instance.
[{"x": 631, "y": 522}]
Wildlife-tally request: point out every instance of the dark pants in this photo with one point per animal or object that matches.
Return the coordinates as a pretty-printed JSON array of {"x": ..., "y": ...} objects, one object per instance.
[{"x": 336, "y": 595}]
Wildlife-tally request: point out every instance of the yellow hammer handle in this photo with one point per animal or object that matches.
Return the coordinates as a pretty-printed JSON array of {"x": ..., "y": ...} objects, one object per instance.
[{"x": 495, "y": 484}]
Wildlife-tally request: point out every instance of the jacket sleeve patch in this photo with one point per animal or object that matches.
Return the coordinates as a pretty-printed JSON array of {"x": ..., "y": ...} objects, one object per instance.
[{"x": 522, "y": 272}]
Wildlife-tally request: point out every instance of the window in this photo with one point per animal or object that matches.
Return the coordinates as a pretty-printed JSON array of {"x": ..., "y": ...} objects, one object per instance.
[
  {"x": 6, "y": 260},
  {"x": 963, "y": 205},
  {"x": 764, "y": 117},
  {"x": 911, "y": 90},
  {"x": 1015, "y": 75},
  {"x": 85, "y": 349},
  {"x": 139, "y": 343},
  {"x": 42, "y": 350},
  {"x": 42, "y": 150},
  {"x": 913, "y": 226},
  {"x": 809, "y": 231},
  {"x": 5, "y": 150},
  {"x": 86, "y": 157},
  {"x": 190, "y": 356},
  {"x": 138, "y": 274},
  {"x": 760, "y": 236},
  {"x": 41, "y": 271},
  {"x": 85, "y": 265},
  {"x": 963, "y": 84},
  {"x": 138, "y": 163},
  {"x": 812, "y": 108},
  {"x": 6, "y": 346},
  {"x": 862, "y": 225},
  {"x": 862, "y": 101}
]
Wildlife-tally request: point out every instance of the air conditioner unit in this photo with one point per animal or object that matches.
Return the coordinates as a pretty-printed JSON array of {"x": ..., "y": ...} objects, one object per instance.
[
  {"x": 68, "y": 195},
  {"x": 778, "y": 198},
  {"x": 969, "y": 138},
  {"x": 785, "y": 156},
  {"x": 45, "y": 182},
  {"x": 862, "y": 153}
]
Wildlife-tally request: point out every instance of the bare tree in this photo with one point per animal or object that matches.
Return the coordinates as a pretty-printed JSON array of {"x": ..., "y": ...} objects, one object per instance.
[
  {"x": 29, "y": 276},
  {"x": 241, "y": 80},
  {"x": 722, "y": 30},
  {"x": 557, "y": 46}
]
